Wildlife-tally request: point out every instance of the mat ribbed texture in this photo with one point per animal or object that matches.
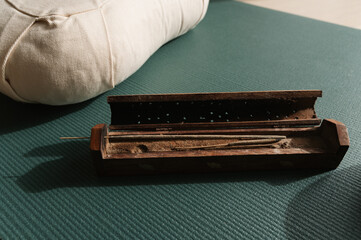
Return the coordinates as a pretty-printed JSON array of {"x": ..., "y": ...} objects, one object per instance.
[{"x": 48, "y": 189}]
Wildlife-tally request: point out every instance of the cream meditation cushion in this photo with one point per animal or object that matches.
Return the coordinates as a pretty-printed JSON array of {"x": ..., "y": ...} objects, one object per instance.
[{"x": 68, "y": 51}]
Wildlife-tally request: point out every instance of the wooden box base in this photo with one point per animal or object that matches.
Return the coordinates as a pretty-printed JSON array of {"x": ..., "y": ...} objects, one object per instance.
[{"x": 317, "y": 147}]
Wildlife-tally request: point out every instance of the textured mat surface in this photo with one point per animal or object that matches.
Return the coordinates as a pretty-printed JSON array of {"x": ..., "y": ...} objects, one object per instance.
[{"x": 48, "y": 189}]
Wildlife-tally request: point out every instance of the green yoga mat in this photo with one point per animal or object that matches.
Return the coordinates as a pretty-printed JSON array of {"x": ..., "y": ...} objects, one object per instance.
[{"x": 48, "y": 189}]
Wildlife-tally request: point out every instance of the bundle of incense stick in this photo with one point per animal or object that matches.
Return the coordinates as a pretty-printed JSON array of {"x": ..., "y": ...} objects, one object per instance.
[
  {"x": 247, "y": 140},
  {"x": 192, "y": 137},
  {"x": 249, "y": 143},
  {"x": 183, "y": 137}
]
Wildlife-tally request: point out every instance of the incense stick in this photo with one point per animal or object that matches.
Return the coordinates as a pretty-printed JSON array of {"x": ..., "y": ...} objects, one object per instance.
[
  {"x": 238, "y": 143},
  {"x": 183, "y": 137},
  {"x": 191, "y": 137},
  {"x": 67, "y": 138}
]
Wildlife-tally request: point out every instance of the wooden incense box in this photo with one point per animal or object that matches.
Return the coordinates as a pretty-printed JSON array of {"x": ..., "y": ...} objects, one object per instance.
[{"x": 213, "y": 132}]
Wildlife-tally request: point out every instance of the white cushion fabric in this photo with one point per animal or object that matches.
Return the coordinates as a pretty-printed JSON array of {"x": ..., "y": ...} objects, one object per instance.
[{"x": 63, "y": 52}]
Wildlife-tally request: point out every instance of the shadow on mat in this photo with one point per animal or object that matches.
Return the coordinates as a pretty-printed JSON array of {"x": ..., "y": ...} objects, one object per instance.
[
  {"x": 23, "y": 115},
  {"x": 330, "y": 208},
  {"x": 75, "y": 169}
]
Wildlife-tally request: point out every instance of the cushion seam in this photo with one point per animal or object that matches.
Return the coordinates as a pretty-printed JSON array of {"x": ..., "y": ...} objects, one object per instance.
[
  {"x": 7, "y": 56},
  {"x": 25, "y": 9},
  {"x": 202, "y": 15},
  {"x": 111, "y": 60}
]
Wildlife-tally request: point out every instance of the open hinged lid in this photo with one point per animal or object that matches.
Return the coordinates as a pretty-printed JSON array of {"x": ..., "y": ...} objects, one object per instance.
[{"x": 214, "y": 110}]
